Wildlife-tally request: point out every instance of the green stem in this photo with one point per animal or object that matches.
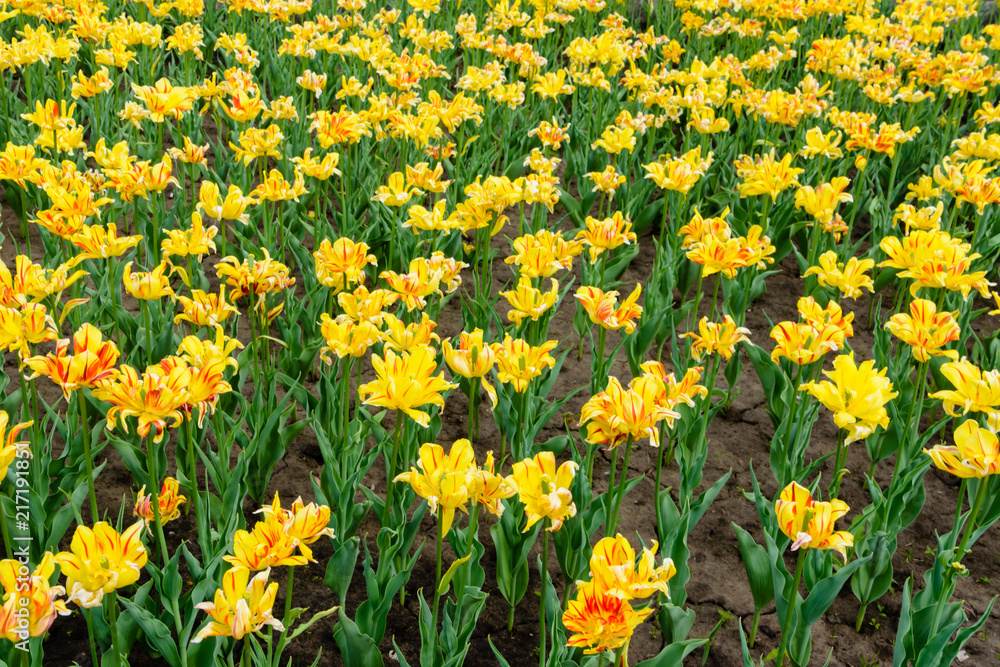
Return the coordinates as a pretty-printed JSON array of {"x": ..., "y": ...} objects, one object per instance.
[
  {"x": 437, "y": 572},
  {"x": 620, "y": 493},
  {"x": 113, "y": 296},
  {"x": 154, "y": 492},
  {"x": 753, "y": 627},
  {"x": 90, "y": 636},
  {"x": 149, "y": 332},
  {"x": 287, "y": 618},
  {"x": 113, "y": 622},
  {"x": 971, "y": 522},
  {"x": 608, "y": 527},
  {"x": 786, "y": 627},
  {"x": 390, "y": 465},
  {"x": 545, "y": 589},
  {"x": 841, "y": 460},
  {"x": 193, "y": 480},
  {"x": 81, "y": 401}
]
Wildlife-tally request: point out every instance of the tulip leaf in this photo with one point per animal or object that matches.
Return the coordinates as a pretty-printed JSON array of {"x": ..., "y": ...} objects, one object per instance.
[
  {"x": 757, "y": 566},
  {"x": 500, "y": 659},
  {"x": 452, "y": 569},
  {"x": 673, "y": 654},
  {"x": 357, "y": 649},
  {"x": 156, "y": 633}
]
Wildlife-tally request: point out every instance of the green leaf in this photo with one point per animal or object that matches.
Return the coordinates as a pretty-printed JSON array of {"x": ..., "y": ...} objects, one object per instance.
[
  {"x": 157, "y": 634},
  {"x": 757, "y": 566},
  {"x": 673, "y": 654},
  {"x": 357, "y": 649},
  {"x": 446, "y": 579}
]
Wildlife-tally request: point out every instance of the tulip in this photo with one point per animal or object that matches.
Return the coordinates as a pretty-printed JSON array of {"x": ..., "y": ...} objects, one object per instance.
[
  {"x": 36, "y": 594},
  {"x": 241, "y": 606},
  {"x": 170, "y": 500},
  {"x": 601, "y": 621},
  {"x": 100, "y": 561}
]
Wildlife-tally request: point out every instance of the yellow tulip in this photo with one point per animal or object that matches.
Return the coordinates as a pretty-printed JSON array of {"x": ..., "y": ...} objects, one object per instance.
[
  {"x": 101, "y": 561},
  {"x": 792, "y": 508},
  {"x": 241, "y": 606},
  {"x": 442, "y": 478},
  {"x": 544, "y": 490},
  {"x": 976, "y": 452}
]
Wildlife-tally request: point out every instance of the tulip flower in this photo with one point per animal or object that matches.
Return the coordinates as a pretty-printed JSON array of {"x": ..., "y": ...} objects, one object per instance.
[
  {"x": 614, "y": 569},
  {"x": 518, "y": 362},
  {"x": 601, "y": 621},
  {"x": 267, "y": 546},
  {"x": 92, "y": 361},
  {"x": 346, "y": 338},
  {"x": 720, "y": 338},
  {"x": 405, "y": 382},
  {"x": 795, "y": 505},
  {"x": 414, "y": 287},
  {"x": 9, "y": 444},
  {"x": 33, "y": 592},
  {"x": 617, "y": 415},
  {"x": 975, "y": 391},
  {"x": 97, "y": 242},
  {"x": 606, "y": 234},
  {"x": 472, "y": 359},
  {"x": 154, "y": 398},
  {"x": 543, "y": 254},
  {"x": 305, "y": 523},
  {"x": 231, "y": 207},
  {"x": 925, "y": 330},
  {"x": 603, "y": 308},
  {"x": 803, "y": 343},
  {"x": 528, "y": 302},
  {"x": 975, "y": 454},
  {"x": 241, "y": 606},
  {"x": 544, "y": 490},
  {"x": 545, "y": 493},
  {"x": 810, "y": 525},
  {"x": 849, "y": 278},
  {"x": 204, "y": 309},
  {"x": 100, "y": 561},
  {"x": 441, "y": 478},
  {"x": 195, "y": 242},
  {"x": 487, "y": 488},
  {"x": 170, "y": 499},
  {"x": 147, "y": 286},
  {"x": 857, "y": 396},
  {"x": 341, "y": 264}
]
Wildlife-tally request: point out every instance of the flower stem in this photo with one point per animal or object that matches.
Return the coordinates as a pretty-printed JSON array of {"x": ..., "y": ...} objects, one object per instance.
[
  {"x": 786, "y": 627},
  {"x": 970, "y": 524},
  {"x": 620, "y": 493},
  {"x": 193, "y": 478},
  {"x": 391, "y": 468},
  {"x": 149, "y": 332},
  {"x": 154, "y": 485},
  {"x": 545, "y": 590},
  {"x": 437, "y": 573},
  {"x": 608, "y": 526},
  {"x": 90, "y": 636},
  {"x": 113, "y": 622},
  {"x": 840, "y": 461},
  {"x": 81, "y": 401}
]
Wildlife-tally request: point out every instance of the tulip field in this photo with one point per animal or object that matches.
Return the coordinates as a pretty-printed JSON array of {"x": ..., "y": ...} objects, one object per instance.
[{"x": 499, "y": 332}]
